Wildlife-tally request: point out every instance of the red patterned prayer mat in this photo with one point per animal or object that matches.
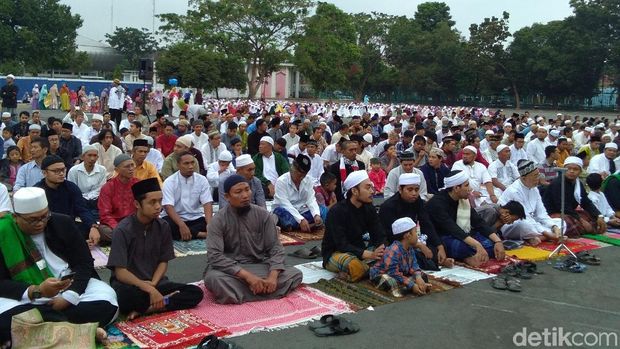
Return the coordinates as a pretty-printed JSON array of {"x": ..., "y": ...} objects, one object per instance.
[
  {"x": 176, "y": 329},
  {"x": 300, "y": 306},
  {"x": 287, "y": 240},
  {"x": 493, "y": 266},
  {"x": 576, "y": 245},
  {"x": 312, "y": 236}
]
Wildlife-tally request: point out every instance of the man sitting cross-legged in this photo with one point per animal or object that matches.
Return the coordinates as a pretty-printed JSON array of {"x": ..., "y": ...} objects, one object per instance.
[
  {"x": 141, "y": 250},
  {"x": 343, "y": 248},
  {"x": 294, "y": 202},
  {"x": 466, "y": 236},
  {"x": 187, "y": 201},
  {"x": 245, "y": 259}
]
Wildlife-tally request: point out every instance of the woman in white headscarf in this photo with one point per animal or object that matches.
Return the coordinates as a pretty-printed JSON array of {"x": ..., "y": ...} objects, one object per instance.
[{"x": 34, "y": 101}]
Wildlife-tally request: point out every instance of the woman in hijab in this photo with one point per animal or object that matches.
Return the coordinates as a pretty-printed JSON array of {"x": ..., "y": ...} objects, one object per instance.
[
  {"x": 42, "y": 97},
  {"x": 53, "y": 97},
  {"x": 64, "y": 98},
  {"x": 34, "y": 101}
]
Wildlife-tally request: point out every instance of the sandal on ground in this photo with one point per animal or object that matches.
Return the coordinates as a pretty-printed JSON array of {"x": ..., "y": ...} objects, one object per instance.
[
  {"x": 571, "y": 265},
  {"x": 499, "y": 283},
  {"x": 513, "y": 285},
  {"x": 530, "y": 267},
  {"x": 212, "y": 342},
  {"x": 338, "y": 327},
  {"x": 303, "y": 253},
  {"x": 587, "y": 258},
  {"x": 316, "y": 250},
  {"x": 324, "y": 321}
]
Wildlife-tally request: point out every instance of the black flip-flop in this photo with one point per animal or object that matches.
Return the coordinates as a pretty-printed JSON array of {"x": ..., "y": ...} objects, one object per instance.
[
  {"x": 303, "y": 253},
  {"x": 316, "y": 250},
  {"x": 325, "y": 320},
  {"x": 212, "y": 342},
  {"x": 513, "y": 285},
  {"x": 338, "y": 327},
  {"x": 499, "y": 283},
  {"x": 587, "y": 258},
  {"x": 570, "y": 264}
]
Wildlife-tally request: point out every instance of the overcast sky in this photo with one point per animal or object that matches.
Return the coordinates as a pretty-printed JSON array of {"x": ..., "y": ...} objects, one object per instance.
[{"x": 100, "y": 19}]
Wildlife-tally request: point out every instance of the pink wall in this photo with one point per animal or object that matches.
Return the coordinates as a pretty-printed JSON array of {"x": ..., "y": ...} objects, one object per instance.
[
  {"x": 280, "y": 84},
  {"x": 266, "y": 89}
]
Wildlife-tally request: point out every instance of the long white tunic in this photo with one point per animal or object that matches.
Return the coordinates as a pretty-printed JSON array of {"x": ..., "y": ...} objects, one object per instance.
[
  {"x": 186, "y": 195},
  {"x": 293, "y": 200}
]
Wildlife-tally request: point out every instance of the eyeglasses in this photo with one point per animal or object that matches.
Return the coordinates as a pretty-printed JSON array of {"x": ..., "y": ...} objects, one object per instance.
[
  {"x": 36, "y": 220},
  {"x": 57, "y": 171}
]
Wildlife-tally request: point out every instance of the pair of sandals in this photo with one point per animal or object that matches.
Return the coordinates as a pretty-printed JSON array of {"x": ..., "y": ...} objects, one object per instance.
[
  {"x": 332, "y": 325},
  {"x": 586, "y": 257},
  {"x": 212, "y": 342},
  {"x": 305, "y": 253},
  {"x": 506, "y": 282},
  {"x": 522, "y": 270}
]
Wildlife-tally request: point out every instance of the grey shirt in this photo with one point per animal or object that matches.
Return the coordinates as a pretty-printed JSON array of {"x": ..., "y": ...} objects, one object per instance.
[{"x": 140, "y": 248}]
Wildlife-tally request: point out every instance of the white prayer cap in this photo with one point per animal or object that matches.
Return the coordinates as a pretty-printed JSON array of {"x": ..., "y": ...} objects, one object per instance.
[
  {"x": 149, "y": 140},
  {"x": 34, "y": 127},
  {"x": 87, "y": 148},
  {"x": 243, "y": 123},
  {"x": 558, "y": 114},
  {"x": 6, "y": 114},
  {"x": 501, "y": 147},
  {"x": 367, "y": 138},
  {"x": 573, "y": 160},
  {"x": 471, "y": 148},
  {"x": 568, "y": 122},
  {"x": 589, "y": 129},
  {"x": 555, "y": 133},
  {"x": 354, "y": 178},
  {"x": 539, "y": 119},
  {"x": 617, "y": 124},
  {"x": 402, "y": 225},
  {"x": 225, "y": 156},
  {"x": 184, "y": 140},
  {"x": 243, "y": 160},
  {"x": 507, "y": 123},
  {"x": 29, "y": 200},
  {"x": 489, "y": 132},
  {"x": 267, "y": 139},
  {"x": 97, "y": 117},
  {"x": 456, "y": 179},
  {"x": 611, "y": 145},
  {"x": 10, "y": 76},
  {"x": 409, "y": 179},
  {"x": 392, "y": 118},
  {"x": 601, "y": 125}
]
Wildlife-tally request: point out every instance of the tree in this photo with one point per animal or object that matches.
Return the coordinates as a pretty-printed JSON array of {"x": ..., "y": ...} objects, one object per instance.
[
  {"x": 199, "y": 67},
  {"x": 327, "y": 51},
  {"x": 133, "y": 44},
  {"x": 37, "y": 35},
  {"x": 430, "y": 14},
  {"x": 261, "y": 32}
]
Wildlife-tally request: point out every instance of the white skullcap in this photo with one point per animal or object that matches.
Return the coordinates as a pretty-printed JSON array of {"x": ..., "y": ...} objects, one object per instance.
[
  {"x": 367, "y": 138},
  {"x": 87, "y": 148},
  {"x": 243, "y": 160},
  {"x": 555, "y": 133},
  {"x": 29, "y": 200},
  {"x": 184, "y": 140},
  {"x": 97, "y": 117},
  {"x": 10, "y": 76},
  {"x": 600, "y": 125},
  {"x": 568, "y": 122},
  {"x": 455, "y": 180},
  {"x": 149, "y": 140},
  {"x": 489, "y": 132},
  {"x": 225, "y": 156},
  {"x": 409, "y": 179},
  {"x": 354, "y": 178},
  {"x": 617, "y": 125},
  {"x": 611, "y": 145},
  {"x": 558, "y": 114},
  {"x": 573, "y": 160},
  {"x": 589, "y": 129},
  {"x": 471, "y": 148},
  {"x": 507, "y": 124},
  {"x": 34, "y": 127},
  {"x": 6, "y": 114},
  {"x": 267, "y": 139},
  {"x": 501, "y": 147},
  {"x": 392, "y": 118},
  {"x": 402, "y": 225}
]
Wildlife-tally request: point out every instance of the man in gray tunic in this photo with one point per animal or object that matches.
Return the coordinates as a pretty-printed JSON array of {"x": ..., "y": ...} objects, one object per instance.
[{"x": 245, "y": 259}]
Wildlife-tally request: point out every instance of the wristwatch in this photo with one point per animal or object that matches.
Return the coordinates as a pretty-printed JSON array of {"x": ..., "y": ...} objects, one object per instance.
[{"x": 36, "y": 293}]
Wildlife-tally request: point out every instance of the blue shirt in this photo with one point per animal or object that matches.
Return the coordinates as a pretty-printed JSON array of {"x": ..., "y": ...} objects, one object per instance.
[
  {"x": 28, "y": 175},
  {"x": 398, "y": 263}
]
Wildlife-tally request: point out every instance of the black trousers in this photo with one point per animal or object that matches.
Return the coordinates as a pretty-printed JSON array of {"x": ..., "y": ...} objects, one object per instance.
[
  {"x": 99, "y": 311},
  {"x": 131, "y": 298},
  {"x": 195, "y": 227},
  {"x": 116, "y": 115}
]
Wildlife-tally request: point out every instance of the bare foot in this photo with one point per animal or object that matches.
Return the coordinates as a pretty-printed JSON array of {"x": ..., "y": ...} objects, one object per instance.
[
  {"x": 133, "y": 315},
  {"x": 448, "y": 262},
  {"x": 201, "y": 234},
  {"x": 533, "y": 241},
  {"x": 101, "y": 336}
]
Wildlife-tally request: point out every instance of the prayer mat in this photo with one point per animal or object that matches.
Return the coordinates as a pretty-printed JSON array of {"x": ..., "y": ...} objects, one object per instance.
[
  {"x": 576, "y": 245},
  {"x": 175, "y": 329},
  {"x": 609, "y": 238},
  {"x": 493, "y": 266},
  {"x": 314, "y": 271},
  {"x": 312, "y": 236},
  {"x": 117, "y": 339},
  {"x": 100, "y": 256},
  {"x": 289, "y": 240},
  {"x": 190, "y": 248},
  {"x": 462, "y": 275},
  {"x": 529, "y": 253},
  {"x": 300, "y": 306}
]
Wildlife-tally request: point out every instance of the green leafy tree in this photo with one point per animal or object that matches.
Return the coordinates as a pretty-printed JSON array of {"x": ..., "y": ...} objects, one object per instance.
[
  {"x": 37, "y": 35},
  {"x": 430, "y": 14},
  {"x": 261, "y": 32},
  {"x": 327, "y": 51},
  {"x": 133, "y": 44}
]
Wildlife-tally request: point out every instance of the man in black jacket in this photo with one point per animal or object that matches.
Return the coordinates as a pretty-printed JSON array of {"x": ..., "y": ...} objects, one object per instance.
[
  {"x": 347, "y": 164},
  {"x": 46, "y": 264},
  {"x": 8, "y": 93}
]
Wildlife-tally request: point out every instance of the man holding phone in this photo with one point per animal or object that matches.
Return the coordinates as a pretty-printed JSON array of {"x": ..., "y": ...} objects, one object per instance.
[{"x": 46, "y": 264}]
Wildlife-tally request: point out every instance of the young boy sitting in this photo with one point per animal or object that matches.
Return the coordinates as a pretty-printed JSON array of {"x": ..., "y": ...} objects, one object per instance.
[
  {"x": 377, "y": 175},
  {"x": 325, "y": 195},
  {"x": 399, "y": 267},
  {"x": 594, "y": 181}
]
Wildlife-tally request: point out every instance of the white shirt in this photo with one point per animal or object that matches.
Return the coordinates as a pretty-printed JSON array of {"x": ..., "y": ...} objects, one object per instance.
[
  {"x": 5, "y": 202},
  {"x": 214, "y": 175},
  {"x": 156, "y": 158},
  {"x": 106, "y": 157},
  {"x": 294, "y": 151},
  {"x": 92, "y": 133},
  {"x": 90, "y": 184},
  {"x": 330, "y": 154},
  {"x": 484, "y": 145},
  {"x": 187, "y": 196},
  {"x": 536, "y": 151},
  {"x": 599, "y": 164},
  {"x": 200, "y": 141},
  {"x": 535, "y": 212},
  {"x": 290, "y": 141},
  {"x": 124, "y": 124},
  {"x": 505, "y": 173},
  {"x": 477, "y": 173},
  {"x": 364, "y": 157},
  {"x": 269, "y": 168},
  {"x": 490, "y": 155},
  {"x": 600, "y": 201},
  {"x": 82, "y": 132},
  {"x": 116, "y": 98},
  {"x": 316, "y": 169},
  {"x": 391, "y": 183},
  {"x": 210, "y": 154},
  {"x": 295, "y": 201},
  {"x": 517, "y": 154}
]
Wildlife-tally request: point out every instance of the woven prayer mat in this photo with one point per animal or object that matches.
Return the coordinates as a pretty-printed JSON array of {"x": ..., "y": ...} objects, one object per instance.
[
  {"x": 100, "y": 256},
  {"x": 312, "y": 236},
  {"x": 287, "y": 240},
  {"x": 117, "y": 339},
  {"x": 576, "y": 245},
  {"x": 609, "y": 238},
  {"x": 493, "y": 266},
  {"x": 176, "y": 329},
  {"x": 300, "y": 306},
  {"x": 190, "y": 247}
]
